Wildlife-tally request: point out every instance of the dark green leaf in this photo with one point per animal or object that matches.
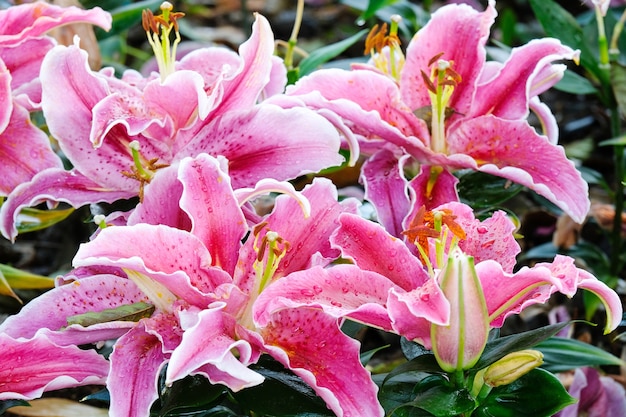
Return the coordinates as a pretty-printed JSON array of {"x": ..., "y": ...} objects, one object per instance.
[
  {"x": 281, "y": 394},
  {"x": 424, "y": 363},
  {"x": 536, "y": 394},
  {"x": 5, "y": 405},
  {"x": 129, "y": 15},
  {"x": 128, "y": 312},
  {"x": 191, "y": 395},
  {"x": 498, "y": 348},
  {"x": 482, "y": 191},
  {"x": 328, "y": 52},
  {"x": 561, "y": 354},
  {"x": 412, "y": 350},
  {"x": 367, "y": 356},
  {"x": 436, "y": 395},
  {"x": 575, "y": 84},
  {"x": 102, "y": 396}
]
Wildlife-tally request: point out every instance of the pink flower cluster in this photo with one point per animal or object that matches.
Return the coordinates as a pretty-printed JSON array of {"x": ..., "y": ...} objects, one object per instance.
[{"x": 199, "y": 141}]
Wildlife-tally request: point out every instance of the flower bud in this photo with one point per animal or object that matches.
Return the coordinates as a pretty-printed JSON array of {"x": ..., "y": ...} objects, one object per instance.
[{"x": 512, "y": 366}]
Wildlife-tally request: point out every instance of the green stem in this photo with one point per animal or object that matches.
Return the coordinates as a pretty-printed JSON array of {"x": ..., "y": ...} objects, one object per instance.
[{"x": 293, "y": 40}]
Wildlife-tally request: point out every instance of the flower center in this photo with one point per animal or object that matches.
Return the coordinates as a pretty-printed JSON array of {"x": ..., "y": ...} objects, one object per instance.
[
  {"x": 429, "y": 224},
  {"x": 158, "y": 29},
  {"x": 142, "y": 170},
  {"x": 440, "y": 84},
  {"x": 270, "y": 249},
  {"x": 385, "y": 49},
  {"x": 159, "y": 296}
]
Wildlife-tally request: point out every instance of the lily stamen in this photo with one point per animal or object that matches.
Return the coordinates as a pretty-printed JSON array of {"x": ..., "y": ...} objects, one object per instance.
[
  {"x": 138, "y": 171},
  {"x": 158, "y": 29}
]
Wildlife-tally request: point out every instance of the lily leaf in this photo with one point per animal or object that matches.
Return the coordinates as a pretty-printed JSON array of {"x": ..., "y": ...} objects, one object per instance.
[
  {"x": 562, "y": 354},
  {"x": 484, "y": 191},
  {"x": 328, "y": 52},
  {"x": 499, "y": 348},
  {"x": 536, "y": 394},
  {"x": 281, "y": 394},
  {"x": 129, "y": 312},
  {"x": 13, "y": 278},
  {"x": 31, "y": 219}
]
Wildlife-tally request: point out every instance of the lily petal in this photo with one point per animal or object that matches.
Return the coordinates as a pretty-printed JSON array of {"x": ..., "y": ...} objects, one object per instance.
[
  {"x": 30, "y": 367},
  {"x": 513, "y": 150},
  {"x": 326, "y": 359}
]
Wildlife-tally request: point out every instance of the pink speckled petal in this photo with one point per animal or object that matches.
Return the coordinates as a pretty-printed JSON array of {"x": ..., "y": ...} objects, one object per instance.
[
  {"x": 373, "y": 249},
  {"x": 136, "y": 361},
  {"x": 310, "y": 343},
  {"x": 513, "y": 150},
  {"x": 341, "y": 291},
  {"x": 210, "y": 339},
  {"x": 386, "y": 188},
  {"x": 35, "y": 19},
  {"x": 24, "y": 151},
  {"x": 54, "y": 185},
  {"x": 465, "y": 34},
  {"x": 214, "y": 211},
  {"x": 30, "y": 367},
  {"x": 182, "y": 263}
]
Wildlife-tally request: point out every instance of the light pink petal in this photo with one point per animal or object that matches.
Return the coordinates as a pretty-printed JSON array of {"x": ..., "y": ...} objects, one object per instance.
[
  {"x": 54, "y": 185},
  {"x": 492, "y": 238},
  {"x": 158, "y": 111},
  {"x": 513, "y": 150},
  {"x": 52, "y": 309},
  {"x": 341, "y": 291},
  {"x": 172, "y": 257},
  {"x": 214, "y": 211},
  {"x": 507, "y": 94},
  {"x": 30, "y": 367},
  {"x": 466, "y": 32},
  {"x": 413, "y": 312},
  {"x": 24, "y": 69},
  {"x": 24, "y": 151},
  {"x": 373, "y": 249},
  {"x": 547, "y": 119},
  {"x": 210, "y": 339},
  {"x": 269, "y": 142},
  {"x": 278, "y": 79},
  {"x": 387, "y": 189},
  {"x": 34, "y": 19},
  {"x": 136, "y": 361},
  {"x": 244, "y": 89},
  {"x": 310, "y": 343},
  {"x": 375, "y": 94},
  {"x": 161, "y": 201}
]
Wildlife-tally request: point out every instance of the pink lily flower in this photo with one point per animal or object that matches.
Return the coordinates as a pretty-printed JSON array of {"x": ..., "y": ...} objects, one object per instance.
[
  {"x": 203, "y": 284},
  {"x": 120, "y": 132},
  {"x": 445, "y": 105},
  {"x": 387, "y": 276},
  {"x": 597, "y": 395},
  {"x": 22, "y": 29}
]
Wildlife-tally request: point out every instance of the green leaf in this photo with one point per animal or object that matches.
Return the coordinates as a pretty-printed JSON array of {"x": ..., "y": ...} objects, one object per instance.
[
  {"x": 498, "y": 348},
  {"x": 620, "y": 140},
  {"x": 481, "y": 191},
  {"x": 560, "y": 24},
  {"x": 128, "y": 312},
  {"x": 575, "y": 84},
  {"x": 367, "y": 356},
  {"x": 281, "y": 394},
  {"x": 328, "y": 52},
  {"x": 6, "y": 404},
  {"x": 423, "y": 363},
  {"x": 129, "y": 15},
  {"x": 13, "y": 278},
  {"x": 536, "y": 394},
  {"x": 436, "y": 395},
  {"x": 31, "y": 219},
  {"x": 192, "y": 395},
  {"x": 562, "y": 354}
]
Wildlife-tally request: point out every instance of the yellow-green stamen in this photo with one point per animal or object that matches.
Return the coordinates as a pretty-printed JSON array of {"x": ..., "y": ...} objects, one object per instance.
[{"x": 158, "y": 29}]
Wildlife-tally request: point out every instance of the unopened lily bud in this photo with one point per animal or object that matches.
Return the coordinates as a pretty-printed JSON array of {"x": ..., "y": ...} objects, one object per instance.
[{"x": 512, "y": 366}]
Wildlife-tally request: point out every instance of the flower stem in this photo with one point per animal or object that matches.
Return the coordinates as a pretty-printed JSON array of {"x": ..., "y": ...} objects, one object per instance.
[{"x": 293, "y": 40}]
